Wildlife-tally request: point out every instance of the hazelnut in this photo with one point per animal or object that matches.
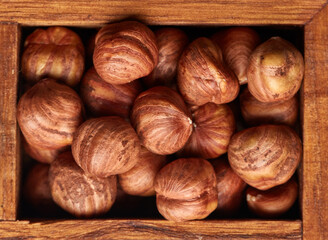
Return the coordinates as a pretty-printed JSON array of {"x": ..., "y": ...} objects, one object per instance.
[
  {"x": 213, "y": 127},
  {"x": 105, "y": 99},
  {"x": 203, "y": 76},
  {"x": 255, "y": 112},
  {"x": 140, "y": 179},
  {"x": 49, "y": 113},
  {"x": 55, "y": 52},
  {"x": 275, "y": 71},
  {"x": 186, "y": 189},
  {"x": 170, "y": 42},
  {"x": 77, "y": 193},
  {"x": 273, "y": 202},
  {"x": 124, "y": 52},
  {"x": 237, "y": 44},
  {"x": 162, "y": 120},
  {"x": 106, "y": 146},
  {"x": 265, "y": 156}
]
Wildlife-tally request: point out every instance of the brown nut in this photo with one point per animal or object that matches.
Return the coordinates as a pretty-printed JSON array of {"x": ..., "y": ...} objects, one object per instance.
[
  {"x": 265, "y": 156},
  {"x": 162, "y": 120},
  {"x": 213, "y": 127},
  {"x": 49, "y": 113},
  {"x": 105, "y": 99},
  {"x": 255, "y": 112},
  {"x": 55, "y": 52},
  {"x": 140, "y": 179},
  {"x": 275, "y": 71},
  {"x": 237, "y": 44},
  {"x": 230, "y": 187},
  {"x": 170, "y": 42},
  {"x": 124, "y": 52},
  {"x": 77, "y": 193},
  {"x": 106, "y": 146},
  {"x": 273, "y": 202},
  {"x": 186, "y": 189},
  {"x": 203, "y": 76}
]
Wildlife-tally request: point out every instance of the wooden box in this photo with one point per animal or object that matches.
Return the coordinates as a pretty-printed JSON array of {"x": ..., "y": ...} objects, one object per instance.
[{"x": 312, "y": 15}]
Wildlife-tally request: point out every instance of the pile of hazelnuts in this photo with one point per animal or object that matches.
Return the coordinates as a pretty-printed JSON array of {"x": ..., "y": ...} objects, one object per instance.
[{"x": 153, "y": 116}]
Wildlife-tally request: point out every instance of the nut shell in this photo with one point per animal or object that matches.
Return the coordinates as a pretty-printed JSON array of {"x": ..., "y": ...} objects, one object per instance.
[
  {"x": 265, "y": 156},
  {"x": 106, "y": 146},
  {"x": 124, "y": 52},
  {"x": 203, "y": 75},
  {"x": 162, "y": 120},
  {"x": 49, "y": 113},
  {"x": 77, "y": 193}
]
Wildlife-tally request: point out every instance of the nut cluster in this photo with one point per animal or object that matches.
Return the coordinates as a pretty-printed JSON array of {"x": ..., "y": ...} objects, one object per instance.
[{"x": 151, "y": 118}]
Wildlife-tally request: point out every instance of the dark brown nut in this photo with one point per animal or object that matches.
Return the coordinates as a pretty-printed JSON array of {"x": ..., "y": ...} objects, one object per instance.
[
  {"x": 162, "y": 120},
  {"x": 55, "y": 52},
  {"x": 124, "y": 52},
  {"x": 203, "y": 76},
  {"x": 49, "y": 113},
  {"x": 237, "y": 44},
  {"x": 77, "y": 193},
  {"x": 105, "y": 99},
  {"x": 275, "y": 71},
  {"x": 265, "y": 156},
  {"x": 140, "y": 179},
  {"x": 255, "y": 112},
  {"x": 213, "y": 127},
  {"x": 186, "y": 189},
  {"x": 273, "y": 202},
  {"x": 171, "y": 42},
  {"x": 106, "y": 146}
]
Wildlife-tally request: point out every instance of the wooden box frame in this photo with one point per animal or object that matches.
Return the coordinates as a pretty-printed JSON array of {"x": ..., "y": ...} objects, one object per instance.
[{"x": 312, "y": 14}]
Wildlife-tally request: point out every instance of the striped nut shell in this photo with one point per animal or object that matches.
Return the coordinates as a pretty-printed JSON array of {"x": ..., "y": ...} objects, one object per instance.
[
  {"x": 186, "y": 189},
  {"x": 49, "y": 113},
  {"x": 275, "y": 71},
  {"x": 55, "y": 52},
  {"x": 273, "y": 202},
  {"x": 203, "y": 75},
  {"x": 77, "y": 193},
  {"x": 213, "y": 127},
  {"x": 106, "y": 146},
  {"x": 171, "y": 43},
  {"x": 105, "y": 99},
  {"x": 265, "y": 156},
  {"x": 237, "y": 44},
  {"x": 124, "y": 52},
  {"x": 255, "y": 112},
  {"x": 140, "y": 179},
  {"x": 162, "y": 120}
]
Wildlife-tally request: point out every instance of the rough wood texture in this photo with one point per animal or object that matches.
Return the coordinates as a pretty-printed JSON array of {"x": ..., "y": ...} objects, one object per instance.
[
  {"x": 95, "y": 13},
  {"x": 315, "y": 129},
  {"x": 9, "y": 141},
  {"x": 152, "y": 229}
]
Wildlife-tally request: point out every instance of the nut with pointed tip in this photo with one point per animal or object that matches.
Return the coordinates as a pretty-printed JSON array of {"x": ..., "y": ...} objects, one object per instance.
[
  {"x": 265, "y": 156},
  {"x": 124, "y": 52},
  {"x": 203, "y": 75},
  {"x": 275, "y": 71},
  {"x": 162, "y": 120},
  {"x": 49, "y": 113},
  {"x": 186, "y": 189},
  {"x": 77, "y": 193}
]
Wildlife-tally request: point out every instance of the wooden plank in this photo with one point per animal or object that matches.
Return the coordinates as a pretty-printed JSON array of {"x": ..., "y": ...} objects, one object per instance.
[
  {"x": 158, "y": 12},
  {"x": 151, "y": 229},
  {"x": 10, "y": 141},
  {"x": 315, "y": 129}
]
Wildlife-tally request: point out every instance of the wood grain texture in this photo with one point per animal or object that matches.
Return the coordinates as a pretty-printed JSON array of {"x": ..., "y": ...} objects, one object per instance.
[
  {"x": 151, "y": 229},
  {"x": 10, "y": 140},
  {"x": 315, "y": 129},
  {"x": 95, "y": 13}
]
